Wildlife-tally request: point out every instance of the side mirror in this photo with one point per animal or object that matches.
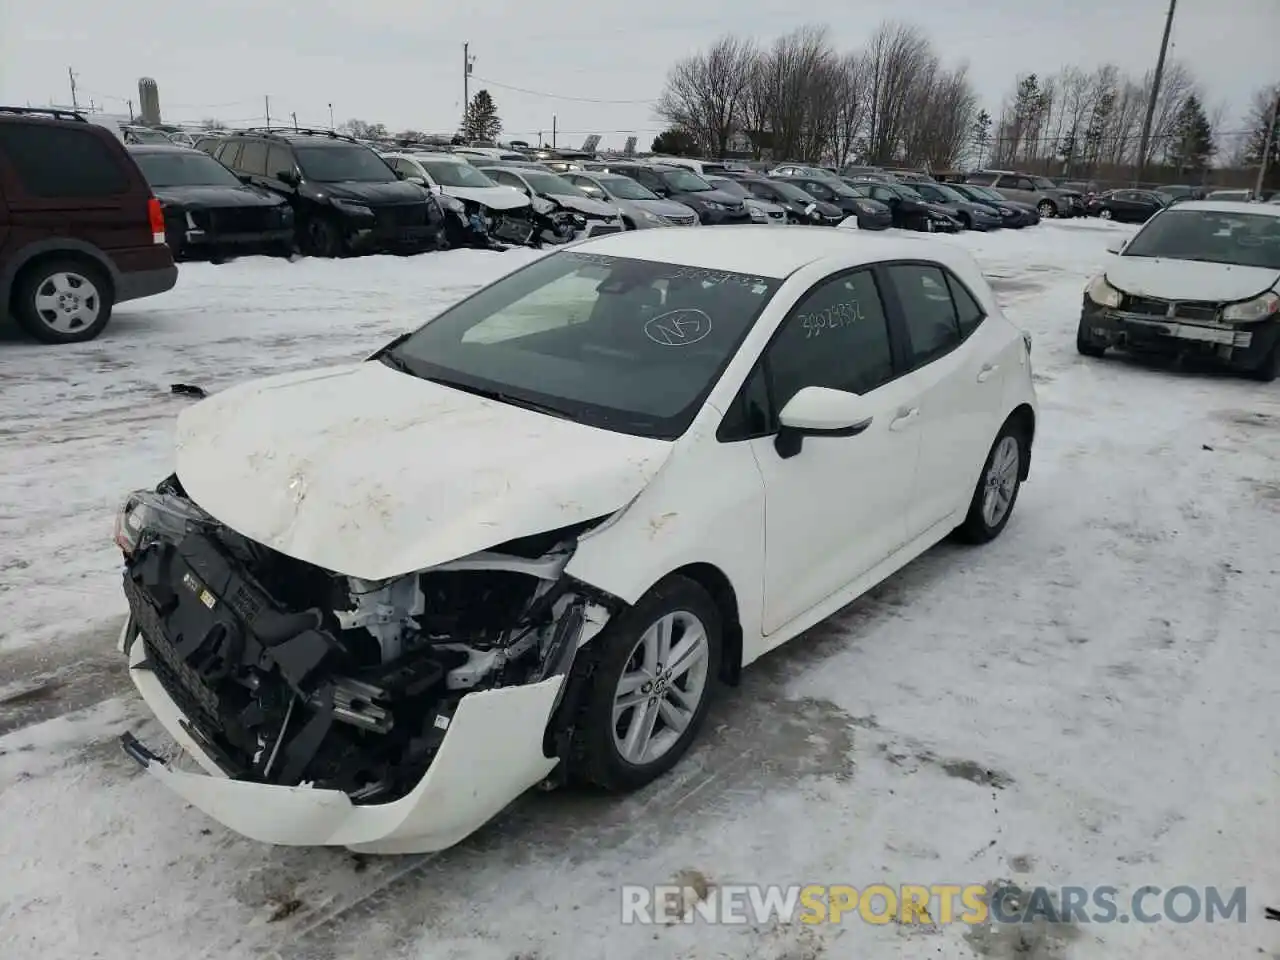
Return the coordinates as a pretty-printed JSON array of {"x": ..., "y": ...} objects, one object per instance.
[
  {"x": 661, "y": 191},
  {"x": 417, "y": 180},
  {"x": 1117, "y": 246},
  {"x": 819, "y": 412},
  {"x": 288, "y": 177}
]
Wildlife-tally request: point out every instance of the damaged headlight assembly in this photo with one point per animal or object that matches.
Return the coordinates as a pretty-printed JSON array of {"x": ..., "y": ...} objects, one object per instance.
[
  {"x": 293, "y": 675},
  {"x": 1102, "y": 293}
]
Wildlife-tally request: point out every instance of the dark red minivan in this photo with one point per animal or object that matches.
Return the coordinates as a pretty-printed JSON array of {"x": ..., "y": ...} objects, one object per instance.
[{"x": 79, "y": 228}]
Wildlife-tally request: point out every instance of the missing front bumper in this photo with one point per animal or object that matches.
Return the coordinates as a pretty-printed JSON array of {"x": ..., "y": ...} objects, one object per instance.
[
  {"x": 492, "y": 752},
  {"x": 1236, "y": 348}
]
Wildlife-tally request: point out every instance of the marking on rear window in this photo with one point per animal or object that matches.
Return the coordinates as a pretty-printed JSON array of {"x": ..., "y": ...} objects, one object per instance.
[{"x": 678, "y": 328}]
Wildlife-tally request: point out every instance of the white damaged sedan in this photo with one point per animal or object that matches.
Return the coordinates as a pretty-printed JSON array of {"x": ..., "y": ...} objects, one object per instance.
[{"x": 524, "y": 543}]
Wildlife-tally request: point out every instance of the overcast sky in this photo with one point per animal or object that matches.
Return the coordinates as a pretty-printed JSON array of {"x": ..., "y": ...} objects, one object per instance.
[{"x": 400, "y": 62}]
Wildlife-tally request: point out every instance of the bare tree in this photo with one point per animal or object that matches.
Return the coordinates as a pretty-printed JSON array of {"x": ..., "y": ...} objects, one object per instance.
[
  {"x": 852, "y": 101},
  {"x": 796, "y": 82},
  {"x": 896, "y": 54},
  {"x": 704, "y": 93},
  {"x": 1176, "y": 86}
]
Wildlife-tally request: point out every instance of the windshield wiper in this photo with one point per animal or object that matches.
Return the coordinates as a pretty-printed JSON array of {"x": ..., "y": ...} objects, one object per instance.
[
  {"x": 395, "y": 362},
  {"x": 501, "y": 397}
]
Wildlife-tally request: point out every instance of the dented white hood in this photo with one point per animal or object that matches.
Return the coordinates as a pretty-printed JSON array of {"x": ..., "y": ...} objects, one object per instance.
[
  {"x": 373, "y": 473},
  {"x": 1168, "y": 279}
]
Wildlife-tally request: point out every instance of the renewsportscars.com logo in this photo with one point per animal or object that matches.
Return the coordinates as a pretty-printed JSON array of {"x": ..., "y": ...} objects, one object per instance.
[{"x": 970, "y": 904}]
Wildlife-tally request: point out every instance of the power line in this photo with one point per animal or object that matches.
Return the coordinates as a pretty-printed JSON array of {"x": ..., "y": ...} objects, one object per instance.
[{"x": 554, "y": 96}]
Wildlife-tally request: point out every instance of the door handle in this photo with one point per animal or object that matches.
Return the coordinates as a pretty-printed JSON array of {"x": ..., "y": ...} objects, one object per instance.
[
  {"x": 904, "y": 418},
  {"x": 987, "y": 370}
]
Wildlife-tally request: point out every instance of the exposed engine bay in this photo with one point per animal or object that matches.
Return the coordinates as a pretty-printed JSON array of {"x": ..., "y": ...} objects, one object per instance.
[
  {"x": 293, "y": 675},
  {"x": 470, "y": 223}
]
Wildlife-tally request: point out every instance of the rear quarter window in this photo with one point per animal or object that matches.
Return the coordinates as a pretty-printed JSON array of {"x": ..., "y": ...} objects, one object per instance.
[{"x": 57, "y": 162}]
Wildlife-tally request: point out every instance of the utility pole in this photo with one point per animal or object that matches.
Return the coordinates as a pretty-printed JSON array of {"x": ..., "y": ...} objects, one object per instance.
[
  {"x": 468, "y": 61},
  {"x": 553, "y": 131},
  {"x": 130, "y": 103},
  {"x": 267, "y": 99},
  {"x": 1266, "y": 148},
  {"x": 1144, "y": 142},
  {"x": 295, "y": 119},
  {"x": 71, "y": 75},
  {"x": 331, "y": 127}
]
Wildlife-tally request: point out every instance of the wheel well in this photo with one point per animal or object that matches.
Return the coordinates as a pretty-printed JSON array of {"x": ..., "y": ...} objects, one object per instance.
[
  {"x": 1024, "y": 418},
  {"x": 714, "y": 581},
  {"x": 62, "y": 256}
]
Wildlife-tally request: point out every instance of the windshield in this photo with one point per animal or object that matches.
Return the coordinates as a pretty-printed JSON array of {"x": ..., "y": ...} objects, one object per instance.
[
  {"x": 792, "y": 192},
  {"x": 731, "y": 187},
  {"x": 449, "y": 174},
  {"x": 334, "y": 164},
  {"x": 906, "y": 191},
  {"x": 143, "y": 135},
  {"x": 683, "y": 181},
  {"x": 987, "y": 192},
  {"x": 184, "y": 170},
  {"x": 624, "y": 188},
  {"x": 541, "y": 182},
  {"x": 1244, "y": 239},
  {"x": 940, "y": 191},
  {"x": 627, "y": 345},
  {"x": 1043, "y": 183}
]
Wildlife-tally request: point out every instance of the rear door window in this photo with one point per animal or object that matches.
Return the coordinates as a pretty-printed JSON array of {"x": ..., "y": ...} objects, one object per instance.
[
  {"x": 229, "y": 153},
  {"x": 55, "y": 162},
  {"x": 253, "y": 158},
  {"x": 279, "y": 160}
]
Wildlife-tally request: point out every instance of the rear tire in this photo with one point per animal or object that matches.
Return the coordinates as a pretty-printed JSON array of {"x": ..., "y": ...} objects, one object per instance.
[
  {"x": 997, "y": 490},
  {"x": 1048, "y": 209},
  {"x": 1105, "y": 214},
  {"x": 611, "y": 669},
  {"x": 63, "y": 301}
]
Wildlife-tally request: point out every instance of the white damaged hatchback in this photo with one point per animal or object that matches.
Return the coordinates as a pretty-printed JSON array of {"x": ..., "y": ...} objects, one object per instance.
[{"x": 523, "y": 543}]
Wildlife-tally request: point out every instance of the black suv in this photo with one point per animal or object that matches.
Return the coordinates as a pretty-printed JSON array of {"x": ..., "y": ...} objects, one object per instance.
[
  {"x": 80, "y": 230},
  {"x": 346, "y": 199}
]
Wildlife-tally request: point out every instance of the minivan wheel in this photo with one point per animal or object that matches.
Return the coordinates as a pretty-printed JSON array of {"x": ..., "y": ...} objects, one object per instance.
[
  {"x": 1047, "y": 209},
  {"x": 646, "y": 683},
  {"x": 1105, "y": 213},
  {"x": 323, "y": 237},
  {"x": 63, "y": 301}
]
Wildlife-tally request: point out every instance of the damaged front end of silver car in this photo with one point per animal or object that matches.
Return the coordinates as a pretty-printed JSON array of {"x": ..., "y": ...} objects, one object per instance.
[{"x": 290, "y": 675}]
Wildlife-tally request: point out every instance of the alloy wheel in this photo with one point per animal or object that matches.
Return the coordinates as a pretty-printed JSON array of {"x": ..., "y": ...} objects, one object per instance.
[
  {"x": 1001, "y": 481},
  {"x": 661, "y": 687}
]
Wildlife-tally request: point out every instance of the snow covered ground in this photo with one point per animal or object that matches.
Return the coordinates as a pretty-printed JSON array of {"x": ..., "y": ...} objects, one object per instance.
[{"x": 1085, "y": 701}]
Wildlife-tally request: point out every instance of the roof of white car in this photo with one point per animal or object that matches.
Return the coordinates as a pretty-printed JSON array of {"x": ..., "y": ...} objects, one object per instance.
[
  {"x": 1229, "y": 206},
  {"x": 766, "y": 251}
]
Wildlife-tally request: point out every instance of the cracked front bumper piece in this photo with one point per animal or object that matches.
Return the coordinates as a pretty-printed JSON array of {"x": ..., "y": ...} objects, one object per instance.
[{"x": 492, "y": 752}]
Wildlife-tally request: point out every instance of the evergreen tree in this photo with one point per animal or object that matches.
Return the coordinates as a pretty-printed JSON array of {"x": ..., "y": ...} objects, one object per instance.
[
  {"x": 674, "y": 142},
  {"x": 1192, "y": 146},
  {"x": 481, "y": 121},
  {"x": 980, "y": 134}
]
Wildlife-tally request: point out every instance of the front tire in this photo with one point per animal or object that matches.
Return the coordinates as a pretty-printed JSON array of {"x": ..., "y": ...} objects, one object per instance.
[
  {"x": 1048, "y": 209},
  {"x": 1269, "y": 369},
  {"x": 63, "y": 301},
  {"x": 322, "y": 237},
  {"x": 648, "y": 682},
  {"x": 1105, "y": 214},
  {"x": 997, "y": 489},
  {"x": 1085, "y": 344}
]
